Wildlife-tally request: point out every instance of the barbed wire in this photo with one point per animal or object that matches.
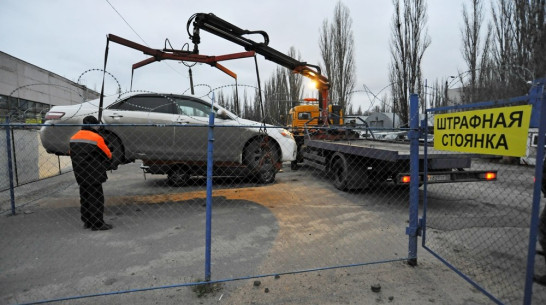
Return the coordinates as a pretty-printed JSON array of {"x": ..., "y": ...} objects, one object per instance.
[
  {"x": 69, "y": 89},
  {"x": 102, "y": 71},
  {"x": 44, "y": 84}
]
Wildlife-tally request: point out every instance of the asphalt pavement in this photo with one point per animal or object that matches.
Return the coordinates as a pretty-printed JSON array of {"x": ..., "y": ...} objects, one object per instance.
[{"x": 274, "y": 244}]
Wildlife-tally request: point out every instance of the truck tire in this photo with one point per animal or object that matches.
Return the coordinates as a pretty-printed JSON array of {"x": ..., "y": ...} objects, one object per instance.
[
  {"x": 349, "y": 173},
  {"x": 340, "y": 173}
]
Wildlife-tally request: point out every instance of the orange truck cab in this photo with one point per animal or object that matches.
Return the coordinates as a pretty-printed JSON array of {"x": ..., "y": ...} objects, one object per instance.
[{"x": 309, "y": 115}]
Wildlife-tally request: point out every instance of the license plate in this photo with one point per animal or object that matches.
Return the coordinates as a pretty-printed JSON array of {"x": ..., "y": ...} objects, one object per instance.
[{"x": 439, "y": 178}]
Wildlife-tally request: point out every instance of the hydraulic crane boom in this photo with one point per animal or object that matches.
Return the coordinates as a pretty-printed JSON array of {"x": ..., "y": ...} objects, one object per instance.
[{"x": 228, "y": 31}]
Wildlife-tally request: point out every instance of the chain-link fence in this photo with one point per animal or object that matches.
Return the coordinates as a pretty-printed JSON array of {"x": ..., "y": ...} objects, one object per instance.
[
  {"x": 483, "y": 230},
  {"x": 267, "y": 216},
  {"x": 27, "y": 154},
  {"x": 190, "y": 202}
]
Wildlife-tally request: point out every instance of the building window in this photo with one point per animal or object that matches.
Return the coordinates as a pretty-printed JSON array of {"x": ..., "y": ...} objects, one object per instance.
[{"x": 21, "y": 110}]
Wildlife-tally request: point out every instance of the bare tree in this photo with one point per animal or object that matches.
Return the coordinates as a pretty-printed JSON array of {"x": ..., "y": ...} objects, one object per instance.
[
  {"x": 221, "y": 99},
  {"x": 518, "y": 46},
  {"x": 359, "y": 111},
  {"x": 438, "y": 97},
  {"x": 473, "y": 49},
  {"x": 384, "y": 105},
  {"x": 230, "y": 101},
  {"x": 503, "y": 48},
  {"x": 295, "y": 81},
  {"x": 408, "y": 45},
  {"x": 283, "y": 90},
  {"x": 529, "y": 35},
  {"x": 251, "y": 106},
  {"x": 276, "y": 96},
  {"x": 538, "y": 22},
  {"x": 337, "y": 49}
]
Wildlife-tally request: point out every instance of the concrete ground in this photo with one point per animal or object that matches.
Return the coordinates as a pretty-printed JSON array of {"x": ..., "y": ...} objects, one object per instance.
[{"x": 157, "y": 243}]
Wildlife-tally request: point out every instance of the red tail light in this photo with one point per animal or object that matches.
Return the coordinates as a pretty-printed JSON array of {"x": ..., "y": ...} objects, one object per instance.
[
  {"x": 490, "y": 176},
  {"x": 405, "y": 179}
]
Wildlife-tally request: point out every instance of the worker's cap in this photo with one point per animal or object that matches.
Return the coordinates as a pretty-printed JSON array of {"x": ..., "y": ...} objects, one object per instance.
[{"x": 90, "y": 120}]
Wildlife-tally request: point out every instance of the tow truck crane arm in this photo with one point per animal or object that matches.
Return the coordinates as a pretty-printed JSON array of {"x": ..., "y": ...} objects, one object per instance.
[{"x": 219, "y": 27}]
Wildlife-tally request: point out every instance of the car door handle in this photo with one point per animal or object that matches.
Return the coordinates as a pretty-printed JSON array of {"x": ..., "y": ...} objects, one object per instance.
[
  {"x": 182, "y": 122},
  {"x": 115, "y": 116}
]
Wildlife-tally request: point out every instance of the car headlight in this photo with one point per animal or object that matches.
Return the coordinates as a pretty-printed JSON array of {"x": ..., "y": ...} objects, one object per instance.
[{"x": 285, "y": 133}]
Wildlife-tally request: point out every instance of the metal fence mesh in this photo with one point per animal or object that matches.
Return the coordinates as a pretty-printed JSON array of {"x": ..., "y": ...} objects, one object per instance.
[
  {"x": 299, "y": 222},
  {"x": 482, "y": 229}
]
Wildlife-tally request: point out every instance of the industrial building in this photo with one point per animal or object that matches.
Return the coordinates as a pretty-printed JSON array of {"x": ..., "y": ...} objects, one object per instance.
[{"x": 27, "y": 92}]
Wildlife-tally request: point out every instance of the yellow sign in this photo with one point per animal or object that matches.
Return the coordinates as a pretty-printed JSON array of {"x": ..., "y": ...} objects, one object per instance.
[{"x": 496, "y": 131}]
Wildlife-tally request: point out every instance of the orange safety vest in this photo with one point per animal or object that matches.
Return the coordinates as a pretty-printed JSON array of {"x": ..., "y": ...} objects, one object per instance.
[{"x": 89, "y": 137}]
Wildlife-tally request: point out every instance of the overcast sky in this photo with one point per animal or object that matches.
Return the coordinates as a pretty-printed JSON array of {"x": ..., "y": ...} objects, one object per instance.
[{"x": 68, "y": 37}]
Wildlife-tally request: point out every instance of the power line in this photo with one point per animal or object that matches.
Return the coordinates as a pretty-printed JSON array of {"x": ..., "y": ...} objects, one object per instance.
[
  {"x": 126, "y": 22},
  {"x": 119, "y": 14}
]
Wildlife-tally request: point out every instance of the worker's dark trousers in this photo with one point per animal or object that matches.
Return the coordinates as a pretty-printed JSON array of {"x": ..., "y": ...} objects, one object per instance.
[{"x": 92, "y": 204}]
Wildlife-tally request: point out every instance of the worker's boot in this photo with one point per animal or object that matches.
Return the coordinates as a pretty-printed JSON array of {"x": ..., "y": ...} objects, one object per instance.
[
  {"x": 541, "y": 280},
  {"x": 102, "y": 227}
]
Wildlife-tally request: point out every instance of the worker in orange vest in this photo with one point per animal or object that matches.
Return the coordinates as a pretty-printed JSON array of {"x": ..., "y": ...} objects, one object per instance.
[{"x": 90, "y": 160}]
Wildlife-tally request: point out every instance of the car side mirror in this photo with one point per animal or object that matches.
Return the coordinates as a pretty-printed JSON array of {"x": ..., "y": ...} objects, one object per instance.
[{"x": 223, "y": 115}]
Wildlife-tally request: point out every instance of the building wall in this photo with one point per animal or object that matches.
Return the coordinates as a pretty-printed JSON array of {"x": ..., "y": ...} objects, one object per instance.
[
  {"x": 383, "y": 120},
  {"x": 28, "y": 91}
]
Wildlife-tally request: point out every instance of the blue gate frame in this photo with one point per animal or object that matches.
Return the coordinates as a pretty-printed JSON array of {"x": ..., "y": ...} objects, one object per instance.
[{"x": 536, "y": 98}]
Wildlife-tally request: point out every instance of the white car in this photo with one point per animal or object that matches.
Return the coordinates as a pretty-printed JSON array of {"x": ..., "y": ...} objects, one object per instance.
[{"x": 169, "y": 133}]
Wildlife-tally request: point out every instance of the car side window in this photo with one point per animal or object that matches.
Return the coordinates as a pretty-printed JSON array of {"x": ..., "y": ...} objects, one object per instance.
[
  {"x": 193, "y": 108},
  {"x": 147, "y": 104}
]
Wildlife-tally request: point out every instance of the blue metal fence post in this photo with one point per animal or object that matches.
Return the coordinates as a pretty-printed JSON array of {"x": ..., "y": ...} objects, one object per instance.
[
  {"x": 413, "y": 229},
  {"x": 208, "y": 232},
  {"x": 10, "y": 166},
  {"x": 537, "y": 93},
  {"x": 423, "y": 222}
]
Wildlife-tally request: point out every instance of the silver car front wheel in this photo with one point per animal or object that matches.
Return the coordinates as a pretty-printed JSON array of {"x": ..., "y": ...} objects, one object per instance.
[{"x": 261, "y": 157}]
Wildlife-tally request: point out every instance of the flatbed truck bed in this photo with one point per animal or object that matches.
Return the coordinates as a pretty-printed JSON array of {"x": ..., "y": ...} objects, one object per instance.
[{"x": 363, "y": 163}]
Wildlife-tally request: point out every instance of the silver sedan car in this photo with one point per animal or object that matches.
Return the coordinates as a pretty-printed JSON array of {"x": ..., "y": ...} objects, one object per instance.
[{"x": 169, "y": 133}]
